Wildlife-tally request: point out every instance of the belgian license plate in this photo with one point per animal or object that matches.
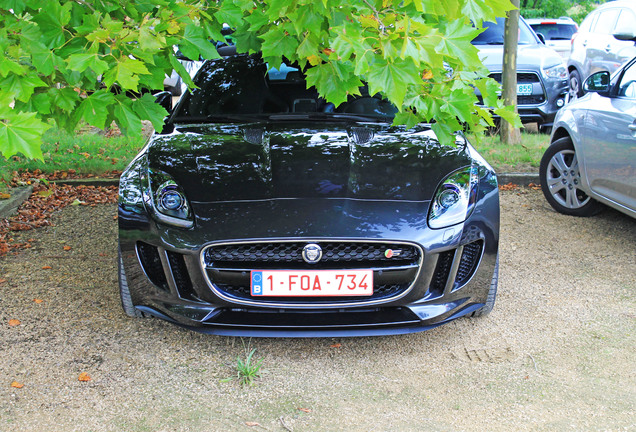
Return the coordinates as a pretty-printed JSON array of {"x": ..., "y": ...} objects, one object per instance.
[
  {"x": 524, "y": 89},
  {"x": 307, "y": 283}
]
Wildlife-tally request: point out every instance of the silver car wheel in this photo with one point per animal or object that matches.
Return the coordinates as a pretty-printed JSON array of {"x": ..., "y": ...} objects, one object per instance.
[{"x": 564, "y": 180}]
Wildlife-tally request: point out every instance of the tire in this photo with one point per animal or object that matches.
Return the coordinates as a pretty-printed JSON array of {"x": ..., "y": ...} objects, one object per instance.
[
  {"x": 492, "y": 293},
  {"x": 124, "y": 291},
  {"x": 561, "y": 180},
  {"x": 576, "y": 85}
]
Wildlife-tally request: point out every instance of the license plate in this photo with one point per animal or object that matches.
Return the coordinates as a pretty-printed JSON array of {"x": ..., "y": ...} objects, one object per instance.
[
  {"x": 524, "y": 89},
  {"x": 307, "y": 283}
]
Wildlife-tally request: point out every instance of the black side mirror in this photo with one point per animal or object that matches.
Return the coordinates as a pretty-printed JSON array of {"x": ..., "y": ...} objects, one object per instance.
[
  {"x": 598, "y": 83},
  {"x": 625, "y": 34},
  {"x": 541, "y": 38},
  {"x": 164, "y": 99}
]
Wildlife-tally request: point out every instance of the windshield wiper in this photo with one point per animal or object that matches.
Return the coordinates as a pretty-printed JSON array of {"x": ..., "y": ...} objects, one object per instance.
[{"x": 221, "y": 118}]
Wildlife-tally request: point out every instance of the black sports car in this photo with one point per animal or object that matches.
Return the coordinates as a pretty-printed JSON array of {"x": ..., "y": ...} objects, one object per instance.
[{"x": 262, "y": 210}]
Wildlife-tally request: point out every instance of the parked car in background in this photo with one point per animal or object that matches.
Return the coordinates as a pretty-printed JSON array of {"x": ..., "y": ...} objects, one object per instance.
[
  {"x": 174, "y": 83},
  {"x": 555, "y": 32},
  {"x": 542, "y": 82},
  {"x": 593, "y": 46},
  {"x": 592, "y": 156},
  {"x": 262, "y": 210}
]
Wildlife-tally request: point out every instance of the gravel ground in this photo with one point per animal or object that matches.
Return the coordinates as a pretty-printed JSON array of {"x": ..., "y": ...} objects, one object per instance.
[{"x": 557, "y": 353}]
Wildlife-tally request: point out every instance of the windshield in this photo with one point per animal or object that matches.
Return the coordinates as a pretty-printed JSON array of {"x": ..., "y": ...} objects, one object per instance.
[
  {"x": 243, "y": 86},
  {"x": 553, "y": 31},
  {"x": 494, "y": 34}
]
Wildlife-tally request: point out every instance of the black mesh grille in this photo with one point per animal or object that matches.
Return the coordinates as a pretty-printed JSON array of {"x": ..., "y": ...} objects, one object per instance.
[
  {"x": 530, "y": 100},
  {"x": 468, "y": 263},
  {"x": 442, "y": 270},
  {"x": 228, "y": 266},
  {"x": 150, "y": 261},
  {"x": 271, "y": 255},
  {"x": 181, "y": 276}
]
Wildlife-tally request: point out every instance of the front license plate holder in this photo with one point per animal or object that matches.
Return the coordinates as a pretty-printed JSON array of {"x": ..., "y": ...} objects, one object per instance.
[{"x": 311, "y": 283}]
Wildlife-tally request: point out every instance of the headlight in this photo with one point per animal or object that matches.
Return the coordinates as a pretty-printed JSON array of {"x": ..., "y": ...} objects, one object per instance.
[
  {"x": 165, "y": 199},
  {"x": 556, "y": 72},
  {"x": 454, "y": 199}
]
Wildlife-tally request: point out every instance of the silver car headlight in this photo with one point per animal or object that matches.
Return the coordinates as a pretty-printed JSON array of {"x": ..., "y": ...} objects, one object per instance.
[
  {"x": 558, "y": 71},
  {"x": 454, "y": 199},
  {"x": 165, "y": 199}
]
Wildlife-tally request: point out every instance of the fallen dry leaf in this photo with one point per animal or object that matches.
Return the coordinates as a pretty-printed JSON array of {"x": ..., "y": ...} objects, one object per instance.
[
  {"x": 16, "y": 384},
  {"x": 47, "y": 268},
  {"x": 336, "y": 345},
  {"x": 2, "y": 281},
  {"x": 252, "y": 424},
  {"x": 67, "y": 248},
  {"x": 38, "y": 301},
  {"x": 84, "y": 377},
  {"x": 14, "y": 322},
  {"x": 306, "y": 410},
  {"x": 5, "y": 196}
]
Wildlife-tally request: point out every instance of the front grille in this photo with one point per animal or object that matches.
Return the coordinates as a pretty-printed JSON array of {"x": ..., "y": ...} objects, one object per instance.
[
  {"x": 530, "y": 100},
  {"x": 522, "y": 77},
  {"x": 228, "y": 267}
]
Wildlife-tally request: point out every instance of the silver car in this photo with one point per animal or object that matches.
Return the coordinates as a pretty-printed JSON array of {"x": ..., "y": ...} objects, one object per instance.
[
  {"x": 592, "y": 156},
  {"x": 594, "y": 48}
]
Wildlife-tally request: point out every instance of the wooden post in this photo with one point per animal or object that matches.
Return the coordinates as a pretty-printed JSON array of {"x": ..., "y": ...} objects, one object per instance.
[{"x": 508, "y": 133}]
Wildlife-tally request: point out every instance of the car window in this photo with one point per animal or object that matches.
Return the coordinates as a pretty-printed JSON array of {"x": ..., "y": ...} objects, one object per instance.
[
  {"x": 625, "y": 20},
  {"x": 586, "y": 25},
  {"x": 627, "y": 85},
  {"x": 244, "y": 85},
  {"x": 554, "y": 31},
  {"x": 494, "y": 34},
  {"x": 606, "y": 21}
]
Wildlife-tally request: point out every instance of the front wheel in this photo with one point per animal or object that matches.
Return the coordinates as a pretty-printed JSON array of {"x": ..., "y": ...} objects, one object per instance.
[
  {"x": 576, "y": 85},
  {"x": 561, "y": 180},
  {"x": 492, "y": 293},
  {"x": 124, "y": 291}
]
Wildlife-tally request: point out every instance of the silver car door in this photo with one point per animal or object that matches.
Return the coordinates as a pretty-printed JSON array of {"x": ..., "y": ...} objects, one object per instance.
[{"x": 609, "y": 142}]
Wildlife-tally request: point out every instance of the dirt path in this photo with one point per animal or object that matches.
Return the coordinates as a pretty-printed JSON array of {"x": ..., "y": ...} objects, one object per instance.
[{"x": 557, "y": 353}]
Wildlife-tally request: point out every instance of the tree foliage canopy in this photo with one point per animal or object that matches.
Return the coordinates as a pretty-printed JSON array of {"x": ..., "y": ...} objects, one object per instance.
[{"x": 62, "y": 59}]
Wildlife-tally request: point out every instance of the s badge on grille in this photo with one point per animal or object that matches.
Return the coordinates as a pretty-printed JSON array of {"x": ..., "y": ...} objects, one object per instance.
[{"x": 312, "y": 253}]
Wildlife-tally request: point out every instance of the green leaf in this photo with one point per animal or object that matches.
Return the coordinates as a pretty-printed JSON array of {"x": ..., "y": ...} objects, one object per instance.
[
  {"x": 276, "y": 43},
  {"x": 333, "y": 83},
  {"x": 147, "y": 108},
  {"x": 126, "y": 73},
  {"x": 195, "y": 43},
  {"x": 229, "y": 14},
  {"x": 392, "y": 79},
  {"x": 65, "y": 98},
  {"x": 94, "y": 109},
  {"x": 20, "y": 87},
  {"x": 21, "y": 133},
  {"x": 125, "y": 117},
  {"x": 81, "y": 62},
  {"x": 509, "y": 114},
  {"x": 455, "y": 44},
  {"x": 149, "y": 41}
]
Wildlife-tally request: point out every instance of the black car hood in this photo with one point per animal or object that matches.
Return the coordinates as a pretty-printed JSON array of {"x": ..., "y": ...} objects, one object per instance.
[{"x": 256, "y": 161}]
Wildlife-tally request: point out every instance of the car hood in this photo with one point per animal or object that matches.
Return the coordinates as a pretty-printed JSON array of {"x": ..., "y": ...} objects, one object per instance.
[
  {"x": 529, "y": 57},
  {"x": 235, "y": 162}
]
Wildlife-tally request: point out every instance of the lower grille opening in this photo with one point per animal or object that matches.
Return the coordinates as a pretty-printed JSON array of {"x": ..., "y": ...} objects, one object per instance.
[
  {"x": 181, "y": 277},
  {"x": 468, "y": 264},
  {"x": 151, "y": 263},
  {"x": 442, "y": 272}
]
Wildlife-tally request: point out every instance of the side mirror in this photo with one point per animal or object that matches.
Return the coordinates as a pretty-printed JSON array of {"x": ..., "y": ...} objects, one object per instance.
[
  {"x": 541, "y": 38},
  {"x": 598, "y": 83},
  {"x": 625, "y": 34},
  {"x": 164, "y": 99}
]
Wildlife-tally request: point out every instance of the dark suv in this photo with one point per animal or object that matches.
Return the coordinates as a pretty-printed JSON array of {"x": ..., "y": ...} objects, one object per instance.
[{"x": 542, "y": 79}]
